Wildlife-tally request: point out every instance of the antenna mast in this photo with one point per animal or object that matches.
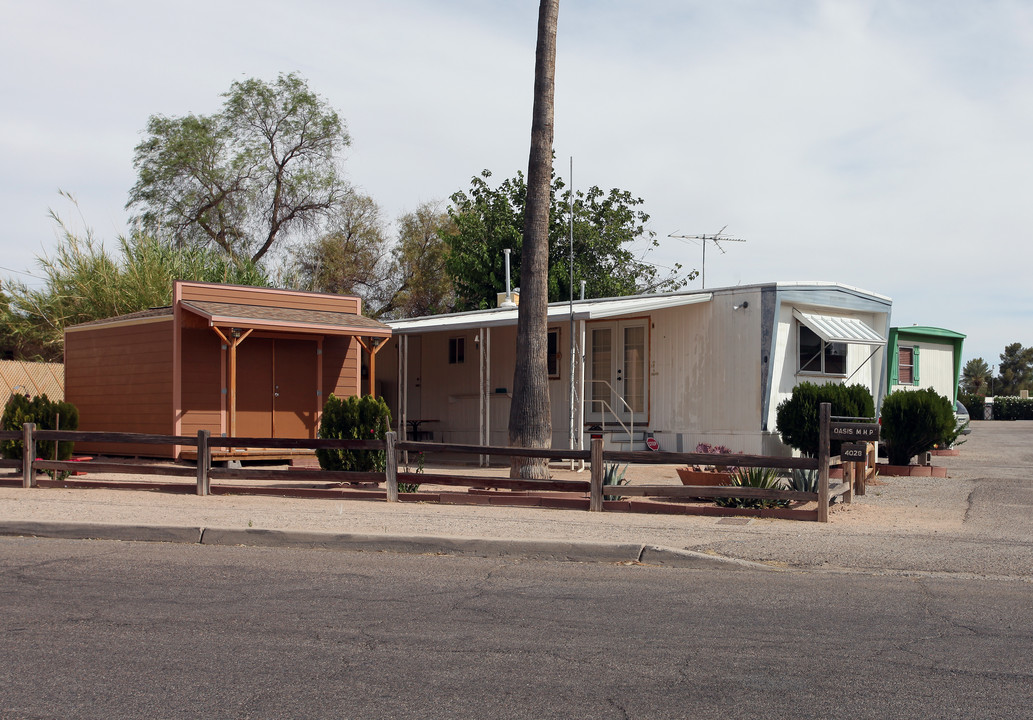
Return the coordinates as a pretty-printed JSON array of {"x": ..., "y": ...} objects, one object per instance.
[{"x": 717, "y": 238}]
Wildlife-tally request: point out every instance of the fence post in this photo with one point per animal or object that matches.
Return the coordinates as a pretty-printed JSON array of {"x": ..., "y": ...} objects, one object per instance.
[
  {"x": 870, "y": 460},
  {"x": 824, "y": 419},
  {"x": 851, "y": 467},
  {"x": 595, "y": 496},
  {"x": 391, "y": 466},
  {"x": 204, "y": 462},
  {"x": 28, "y": 455}
]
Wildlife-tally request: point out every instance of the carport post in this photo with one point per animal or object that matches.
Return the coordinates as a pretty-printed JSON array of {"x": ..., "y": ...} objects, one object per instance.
[
  {"x": 28, "y": 455},
  {"x": 391, "y": 466},
  {"x": 204, "y": 463}
]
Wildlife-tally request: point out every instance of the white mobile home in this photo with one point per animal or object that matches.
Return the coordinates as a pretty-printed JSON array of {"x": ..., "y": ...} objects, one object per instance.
[{"x": 683, "y": 368}]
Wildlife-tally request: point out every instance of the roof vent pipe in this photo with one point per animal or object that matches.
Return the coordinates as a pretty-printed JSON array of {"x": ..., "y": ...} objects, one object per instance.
[{"x": 508, "y": 301}]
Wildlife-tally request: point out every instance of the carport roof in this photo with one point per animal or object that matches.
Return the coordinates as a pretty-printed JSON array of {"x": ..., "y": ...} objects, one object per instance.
[
  {"x": 279, "y": 318},
  {"x": 579, "y": 309}
]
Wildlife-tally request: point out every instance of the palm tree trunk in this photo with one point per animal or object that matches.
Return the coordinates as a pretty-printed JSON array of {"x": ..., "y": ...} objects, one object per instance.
[{"x": 530, "y": 423}]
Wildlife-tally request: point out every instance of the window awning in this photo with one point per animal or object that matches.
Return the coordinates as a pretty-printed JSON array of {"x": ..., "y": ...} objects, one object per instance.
[{"x": 834, "y": 328}]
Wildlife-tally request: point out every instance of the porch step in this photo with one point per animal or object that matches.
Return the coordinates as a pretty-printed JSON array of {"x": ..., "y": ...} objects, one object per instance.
[{"x": 620, "y": 440}]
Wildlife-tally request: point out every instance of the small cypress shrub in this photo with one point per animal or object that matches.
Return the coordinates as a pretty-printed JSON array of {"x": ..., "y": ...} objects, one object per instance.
[
  {"x": 353, "y": 418},
  {"x": 796, "y": 418},
  {"x": 913, "y": 422},
  {"x": 43, "y": 411}
]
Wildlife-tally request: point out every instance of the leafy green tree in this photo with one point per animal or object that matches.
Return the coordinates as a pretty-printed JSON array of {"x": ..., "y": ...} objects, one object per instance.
[
  {"x": 975, "y": 377},
  {"x": 420, "y": 284},
  {"x": 83, "y": 282},
  {"x": 1016, "y": 370},
  {"x": 350, "y": 259},
  {"x": 262, "y": 169},
  {"x": 489, "y": 219}
]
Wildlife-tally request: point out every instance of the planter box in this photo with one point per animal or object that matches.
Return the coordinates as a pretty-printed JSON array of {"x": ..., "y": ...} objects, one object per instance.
[
  {"x": 704, "y": 478},
  {"x": 946, "y": 452},
  {"x": 912, "y": 470}
]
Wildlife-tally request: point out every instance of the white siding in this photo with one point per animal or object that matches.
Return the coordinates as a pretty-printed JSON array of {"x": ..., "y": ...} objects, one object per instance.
[
  {"x": 863, "y": 368},
  {"x": 706, "y": 374},
  {"x": 935, "y": 368}
]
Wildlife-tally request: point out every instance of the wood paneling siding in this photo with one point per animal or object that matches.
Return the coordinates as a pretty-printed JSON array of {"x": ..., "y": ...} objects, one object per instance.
[
  {"x": 167, "y": 371},
  {"x": 119, "y": 376}
]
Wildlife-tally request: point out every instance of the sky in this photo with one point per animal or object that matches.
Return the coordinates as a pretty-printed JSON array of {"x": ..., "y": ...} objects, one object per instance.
[{"x": 884, "y": 145}]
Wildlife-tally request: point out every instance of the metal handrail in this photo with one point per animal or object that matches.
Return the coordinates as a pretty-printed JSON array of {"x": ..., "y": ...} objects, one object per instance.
[{"x": 606, "y": 405}]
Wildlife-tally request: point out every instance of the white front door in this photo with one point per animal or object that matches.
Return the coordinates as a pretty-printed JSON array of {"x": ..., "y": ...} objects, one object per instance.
[{"x": 618, "y": 381}]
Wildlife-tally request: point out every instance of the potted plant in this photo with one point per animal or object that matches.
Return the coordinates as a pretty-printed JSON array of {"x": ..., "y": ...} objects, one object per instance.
[{"x": 708, "y": 475}]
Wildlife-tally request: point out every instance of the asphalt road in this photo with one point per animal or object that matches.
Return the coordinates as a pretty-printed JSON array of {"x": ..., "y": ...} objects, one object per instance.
[{"x": 102, "y": 629}]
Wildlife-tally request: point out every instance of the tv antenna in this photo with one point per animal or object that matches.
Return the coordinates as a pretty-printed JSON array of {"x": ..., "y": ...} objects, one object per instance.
[{"x": 717, "y": 238}]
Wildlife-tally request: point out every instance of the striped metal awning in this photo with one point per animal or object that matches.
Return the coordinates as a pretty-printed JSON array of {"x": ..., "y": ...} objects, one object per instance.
[{"x": 839, "y": 329}]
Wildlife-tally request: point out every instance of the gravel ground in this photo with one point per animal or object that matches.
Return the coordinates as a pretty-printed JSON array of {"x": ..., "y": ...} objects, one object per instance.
[{"x": 976, "y": 522}]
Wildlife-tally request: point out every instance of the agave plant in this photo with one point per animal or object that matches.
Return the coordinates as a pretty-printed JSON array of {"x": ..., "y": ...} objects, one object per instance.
[
  {"x": 804, "y": 480},
  {"x": 613, "y": 474},
  {"x": 754, "y": 477}
]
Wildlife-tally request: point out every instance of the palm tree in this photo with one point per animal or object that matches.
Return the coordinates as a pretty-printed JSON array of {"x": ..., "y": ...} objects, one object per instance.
[
  {"x": 530, "y": 424},
  {"x": 975, "y": 376}
]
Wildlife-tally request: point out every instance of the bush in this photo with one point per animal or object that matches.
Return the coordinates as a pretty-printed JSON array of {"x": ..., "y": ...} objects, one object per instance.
[
  {"x": 1013, "y": 408},
  {"x": 797, "y": 416},
  {"x": 43, "y": 411},
  {"x": 914, "y": 421},
  {"x": 353, "y": 418}
]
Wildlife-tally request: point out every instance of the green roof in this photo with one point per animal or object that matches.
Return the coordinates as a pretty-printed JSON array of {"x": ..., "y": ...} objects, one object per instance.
[{"x": 927, "y": 331}]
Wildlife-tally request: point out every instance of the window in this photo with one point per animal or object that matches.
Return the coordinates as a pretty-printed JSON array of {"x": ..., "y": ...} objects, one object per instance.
[
  {"x": 818, "y": 356},
  {"x": 906, "y": 374},
  {"x": 553, "y": 356},
  {"x": 456, "y": 350}
]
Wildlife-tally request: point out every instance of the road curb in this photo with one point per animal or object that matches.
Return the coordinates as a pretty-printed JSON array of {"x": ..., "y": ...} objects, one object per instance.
[
  {"x": 100, "y": 531},
  {"x": 429, "y": 545},
  {"x": 553, "y": 550}
]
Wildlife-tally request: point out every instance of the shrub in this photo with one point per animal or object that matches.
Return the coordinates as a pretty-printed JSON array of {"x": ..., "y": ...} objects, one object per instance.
[
  {"x": 914, "y": 421},
  {"x": 797, "y": 416},
  {"x": 1013, "y": 408},
  {"x": 754, "y": 477},
  {"x": 43, "y": 411},
  {"x": 353, "y": 418}
]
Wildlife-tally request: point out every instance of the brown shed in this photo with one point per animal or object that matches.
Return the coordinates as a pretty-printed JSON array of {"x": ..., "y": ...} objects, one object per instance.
[{"x": 237, "y": 361}]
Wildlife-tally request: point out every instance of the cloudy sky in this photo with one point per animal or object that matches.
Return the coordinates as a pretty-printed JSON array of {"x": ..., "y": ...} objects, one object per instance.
[{"x": 886, "y": 145}]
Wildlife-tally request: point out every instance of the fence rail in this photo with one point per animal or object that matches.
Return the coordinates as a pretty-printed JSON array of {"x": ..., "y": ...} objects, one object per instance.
[{"x": 204, "y": 472}]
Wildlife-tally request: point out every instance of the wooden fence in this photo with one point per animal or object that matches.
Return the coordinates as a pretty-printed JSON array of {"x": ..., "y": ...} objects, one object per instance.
[{"x": 204, "y": 473}]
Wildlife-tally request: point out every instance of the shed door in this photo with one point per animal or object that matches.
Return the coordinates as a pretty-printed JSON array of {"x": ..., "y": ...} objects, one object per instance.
[
  {"x": 294, "y": 388},
  {"x": 617, "y": 371},
  {"x": 276, "y": 388},
  {"x": 254, "y": 383}
]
